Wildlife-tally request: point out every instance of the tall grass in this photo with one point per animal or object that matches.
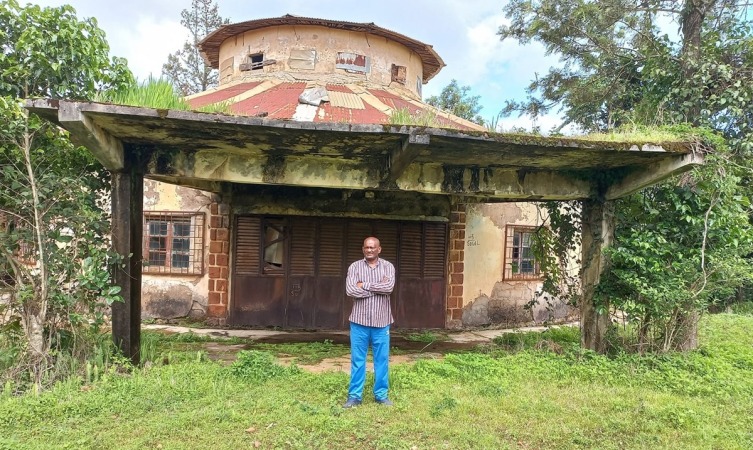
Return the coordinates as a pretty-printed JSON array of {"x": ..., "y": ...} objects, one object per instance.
[
  {"x": 155, "y": 93},
  {"x": 403, "y": 116}
]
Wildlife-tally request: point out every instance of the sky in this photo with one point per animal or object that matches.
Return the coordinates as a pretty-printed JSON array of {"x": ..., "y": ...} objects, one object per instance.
[{"x": 463, "y": 32}]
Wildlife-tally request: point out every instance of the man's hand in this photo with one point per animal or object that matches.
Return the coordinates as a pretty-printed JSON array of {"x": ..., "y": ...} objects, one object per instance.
[{"x": 359, "y": 284}]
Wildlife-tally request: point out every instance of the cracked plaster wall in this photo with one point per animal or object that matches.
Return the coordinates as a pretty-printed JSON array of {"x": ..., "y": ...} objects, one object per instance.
[
  {"x": 175, "y": 296},
  {"x": 488, "y": 299},
  {"x": 327, "y": 42}
]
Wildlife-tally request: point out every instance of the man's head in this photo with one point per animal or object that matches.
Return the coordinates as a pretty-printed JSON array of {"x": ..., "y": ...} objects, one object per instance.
[{"x": 371, "y": 249}]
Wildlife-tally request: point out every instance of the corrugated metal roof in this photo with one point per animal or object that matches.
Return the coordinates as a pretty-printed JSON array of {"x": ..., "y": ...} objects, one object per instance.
[
  {"x": 220, "y": 95},
  {"x": 345, "y": 100},
  {"x": 354, "y": 104}
]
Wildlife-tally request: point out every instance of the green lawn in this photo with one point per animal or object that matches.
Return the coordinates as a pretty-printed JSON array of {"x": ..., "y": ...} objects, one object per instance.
[{"x": 530, "y": 399}]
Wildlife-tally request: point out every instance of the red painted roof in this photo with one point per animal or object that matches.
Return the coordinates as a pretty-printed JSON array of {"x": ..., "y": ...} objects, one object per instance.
[
  {"x": 281, "y": 100},
  {"x": 278, "y": 102},
  {"x": 221, "y": 95}
]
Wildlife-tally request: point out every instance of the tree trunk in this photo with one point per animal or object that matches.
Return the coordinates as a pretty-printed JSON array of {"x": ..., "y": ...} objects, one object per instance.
[{"x": 598, "y": 234}]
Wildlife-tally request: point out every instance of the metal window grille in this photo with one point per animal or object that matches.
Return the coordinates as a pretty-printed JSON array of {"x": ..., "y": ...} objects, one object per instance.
[
  {"x": 520, "y": 263},
  {"x": 173, "y": 243}
]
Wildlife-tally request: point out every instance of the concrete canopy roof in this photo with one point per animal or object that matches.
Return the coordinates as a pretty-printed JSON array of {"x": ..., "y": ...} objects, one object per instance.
[
  {"x": 204, "y": 150},
  {"x": 210, "y": 45}
]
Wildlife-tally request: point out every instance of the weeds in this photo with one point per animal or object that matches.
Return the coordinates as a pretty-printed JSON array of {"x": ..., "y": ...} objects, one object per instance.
[{"x": 253, "y": 365}]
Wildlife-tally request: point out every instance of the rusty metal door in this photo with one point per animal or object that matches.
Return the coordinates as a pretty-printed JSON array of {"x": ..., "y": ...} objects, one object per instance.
[{"x": 290, "y": 272}]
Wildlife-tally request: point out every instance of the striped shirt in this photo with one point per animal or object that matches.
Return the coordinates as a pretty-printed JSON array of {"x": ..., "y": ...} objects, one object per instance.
[{"x": 371, "y": 303}]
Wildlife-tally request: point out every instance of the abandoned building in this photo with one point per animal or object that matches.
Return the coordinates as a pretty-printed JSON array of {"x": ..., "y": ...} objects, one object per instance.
[{"x": 310, "y": 162}]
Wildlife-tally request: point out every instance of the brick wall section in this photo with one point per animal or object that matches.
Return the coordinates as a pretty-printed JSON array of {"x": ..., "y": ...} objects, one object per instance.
[
  {"x": 218, "y": 263},
  {"x": 456, "y": 266}
]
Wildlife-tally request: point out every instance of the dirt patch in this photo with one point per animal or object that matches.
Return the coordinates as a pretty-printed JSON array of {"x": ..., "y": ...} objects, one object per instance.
[
  {"x": 408, "y": 351},
  {"x": 342, "y": 363},
  {"x": 396, "y": 341}
]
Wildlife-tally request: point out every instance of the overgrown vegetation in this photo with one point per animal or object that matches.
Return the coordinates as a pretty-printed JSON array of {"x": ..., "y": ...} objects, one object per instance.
[
  {"x": 685, "y": 244},
  {"x": 546, "y": 393},
  {"x": 155, "y": 93},
  {"x": 53, "y": 218},
  {"x": 423, "y": 118}
]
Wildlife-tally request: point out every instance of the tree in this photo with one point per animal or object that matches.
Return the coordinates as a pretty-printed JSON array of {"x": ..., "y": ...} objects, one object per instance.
[
  {"x": 456, "y": 100},
  {"x": 185, "y": 68},
  {"x": 682, "y": 244},
  {"x": 54, "y": 242}
]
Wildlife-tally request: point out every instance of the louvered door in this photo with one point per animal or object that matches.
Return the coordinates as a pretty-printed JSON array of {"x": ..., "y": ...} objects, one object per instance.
[
  {"x": 422, "y": 279},
  {"x": 258, "y": 288},
  {"x": 306, "y": 289}
]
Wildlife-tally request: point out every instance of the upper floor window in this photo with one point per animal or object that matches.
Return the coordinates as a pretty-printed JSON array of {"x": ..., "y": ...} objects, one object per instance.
[
  {"x": 520, "y": 262},
  {"x": 353, "y": 62},
  {"x": 398, "y": 74},
  {"x": 174, "y": 243}
]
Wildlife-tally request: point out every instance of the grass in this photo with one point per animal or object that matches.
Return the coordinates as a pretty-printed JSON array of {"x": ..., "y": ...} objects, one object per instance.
[
  {"x": 423, "y": 118},
  {"x": 155, "y": 93},
  {"x": 531, "y": 398}
]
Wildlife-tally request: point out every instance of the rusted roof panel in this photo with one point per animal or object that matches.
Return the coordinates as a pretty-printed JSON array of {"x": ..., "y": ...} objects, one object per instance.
[
  {"x": 221, "y": 94},
  {"x": 278, "y": 102},
  {"x": 345, "y": 100},
  {"x": 210, "y": 45}
]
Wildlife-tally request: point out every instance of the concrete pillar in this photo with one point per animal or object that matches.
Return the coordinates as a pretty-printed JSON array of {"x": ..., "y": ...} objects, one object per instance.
[
  {"x": 598, "y": 234},
  {"x": 127, "y": 232}
]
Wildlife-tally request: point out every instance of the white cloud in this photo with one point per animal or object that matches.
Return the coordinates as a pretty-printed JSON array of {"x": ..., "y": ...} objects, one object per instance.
[{"x": 147, "y": 44}]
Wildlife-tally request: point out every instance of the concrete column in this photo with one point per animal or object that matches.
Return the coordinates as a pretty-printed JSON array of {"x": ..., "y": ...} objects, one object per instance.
[
  {"x": 598, "y": 234},
  {"x": 127, "y": 232}
]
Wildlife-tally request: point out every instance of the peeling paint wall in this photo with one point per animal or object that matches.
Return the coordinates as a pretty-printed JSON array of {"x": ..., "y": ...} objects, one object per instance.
[
  {"x": 487, "y": 297},
  {"x": 327, "y": 42},
  {"x": 171, "y": 296}
]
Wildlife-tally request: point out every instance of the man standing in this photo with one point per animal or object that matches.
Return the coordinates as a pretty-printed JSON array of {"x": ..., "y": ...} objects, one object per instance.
[{"x": 370, "y": 282}]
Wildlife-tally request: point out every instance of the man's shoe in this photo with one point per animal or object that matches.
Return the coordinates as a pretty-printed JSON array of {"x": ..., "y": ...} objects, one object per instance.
[
  {"x": 352, "y": 403},
  {"x": 384, "y": 402}
]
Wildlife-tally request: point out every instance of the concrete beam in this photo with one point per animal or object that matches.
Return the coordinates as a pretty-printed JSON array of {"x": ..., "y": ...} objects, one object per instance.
[
  {"x": 105, "y": 147},
  {"x": 651, "y": 174},
  {"x": 491, "y": 183},
  {"x": 403, "y": 156}
]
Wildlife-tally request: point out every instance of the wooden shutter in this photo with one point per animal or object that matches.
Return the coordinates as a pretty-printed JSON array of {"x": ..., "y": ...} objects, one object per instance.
[
  {"x": 410, "y": 250},
  {"x": 331, "y": 246},
  {"x": 302, "y": 243},
  {"x": 386, "y": 232},
  {"x": 357, "y": 232},
  {"x": 247, "y": 243},
  {"x": 435, "y": 250}
]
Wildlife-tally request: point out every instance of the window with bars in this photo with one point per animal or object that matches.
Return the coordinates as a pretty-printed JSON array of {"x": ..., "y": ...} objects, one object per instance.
[
  {"x": 174, "y": 243},
  {"x": 520, "y": 263}
]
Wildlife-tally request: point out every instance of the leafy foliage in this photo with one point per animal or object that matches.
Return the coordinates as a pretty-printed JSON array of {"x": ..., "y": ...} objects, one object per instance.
[
  {"x": 185, "y": 68},
  {"x": 456, "y": 100},
  {"x": 54, "y": 236},
  {"x": 684, "y": 244},
  {"x": 49, "y": 52}
]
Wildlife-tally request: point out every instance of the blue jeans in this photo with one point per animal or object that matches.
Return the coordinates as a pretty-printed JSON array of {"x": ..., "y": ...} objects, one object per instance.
[{"x": 360, "y": 339}]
